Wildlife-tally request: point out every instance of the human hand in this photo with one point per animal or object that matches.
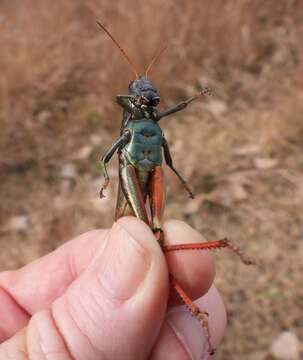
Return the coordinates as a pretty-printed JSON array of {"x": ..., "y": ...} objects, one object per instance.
[{"x": 104, "y": 295}]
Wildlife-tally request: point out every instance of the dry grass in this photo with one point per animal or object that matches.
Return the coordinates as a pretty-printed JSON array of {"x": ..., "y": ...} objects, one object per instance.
[
  {"x": 59, "y": 76},
  {"x": 54, "y": 57}
]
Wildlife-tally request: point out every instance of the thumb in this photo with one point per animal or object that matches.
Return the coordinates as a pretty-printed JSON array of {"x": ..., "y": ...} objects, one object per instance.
[{"x": 114, "y": 310}]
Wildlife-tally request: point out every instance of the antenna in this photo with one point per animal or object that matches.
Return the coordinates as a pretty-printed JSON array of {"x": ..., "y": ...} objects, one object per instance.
[
  {"x": 155, "y": 58},
  {"x": 119, "y": 47}
]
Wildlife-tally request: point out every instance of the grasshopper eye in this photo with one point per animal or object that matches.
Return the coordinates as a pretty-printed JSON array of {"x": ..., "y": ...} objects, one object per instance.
[
  {"x": 152, "y": 98},
  {"x": 154, "y": 102}
]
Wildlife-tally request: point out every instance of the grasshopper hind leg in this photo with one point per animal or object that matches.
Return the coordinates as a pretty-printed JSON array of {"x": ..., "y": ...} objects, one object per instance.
[
  {"x": 157, "y": 202},
  {"x": 200, "y": 315},
  {"x": 123, "y": 207},
  {"x": 132, "y": 198},
  {"x": 212, "y": 245}
]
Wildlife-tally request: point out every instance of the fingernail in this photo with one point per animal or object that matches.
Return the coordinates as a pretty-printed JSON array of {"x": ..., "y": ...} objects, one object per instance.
[
  {"x": 123, "y": 264},
  {"x": 189, "y": 332}
]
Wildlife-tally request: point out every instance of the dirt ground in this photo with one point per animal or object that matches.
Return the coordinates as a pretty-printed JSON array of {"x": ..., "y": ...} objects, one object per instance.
[{"x": 241, "y": 151}]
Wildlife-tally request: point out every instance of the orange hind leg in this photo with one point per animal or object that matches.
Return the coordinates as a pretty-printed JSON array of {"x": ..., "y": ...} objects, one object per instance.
[
  {"x": 156, "y": 196},
  {"x": 193, "y": 308},
  {"x": 157, "y": 201},
  {"x": 201, "y": 316}
]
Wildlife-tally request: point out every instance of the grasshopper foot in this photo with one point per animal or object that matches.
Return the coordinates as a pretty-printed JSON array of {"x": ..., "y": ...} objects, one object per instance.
[{"x": 101, "y": 193}]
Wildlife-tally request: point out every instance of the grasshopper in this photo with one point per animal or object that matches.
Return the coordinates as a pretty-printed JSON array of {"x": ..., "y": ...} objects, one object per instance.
[{"x": 140, "y": 147}]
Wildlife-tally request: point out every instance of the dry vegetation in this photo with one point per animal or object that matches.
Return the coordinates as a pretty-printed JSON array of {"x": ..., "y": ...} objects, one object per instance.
[{"x": 241, "y": 150}]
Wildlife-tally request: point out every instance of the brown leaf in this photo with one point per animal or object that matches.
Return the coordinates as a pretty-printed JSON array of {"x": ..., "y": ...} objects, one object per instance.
[
  {"x": 265, "y": 163},
  {"x": 229, "y": 193},
  {"x": 193, "y": 205},
  {"x": 252, "y": 149}
]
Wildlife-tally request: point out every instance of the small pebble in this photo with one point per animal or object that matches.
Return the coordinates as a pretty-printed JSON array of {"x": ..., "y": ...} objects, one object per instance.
[
  {"x": 68, "y": 171},
  {"x": 18, "y": 223},
  {"x": 286, "y": 346}
]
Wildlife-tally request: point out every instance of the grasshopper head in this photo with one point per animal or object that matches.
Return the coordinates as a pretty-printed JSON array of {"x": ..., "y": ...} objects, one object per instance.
[{"x": 143, "y": 87}]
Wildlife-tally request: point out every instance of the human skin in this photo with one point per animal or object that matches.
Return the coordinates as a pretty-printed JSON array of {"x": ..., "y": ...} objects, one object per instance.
[{"x": 106, "y": 295}]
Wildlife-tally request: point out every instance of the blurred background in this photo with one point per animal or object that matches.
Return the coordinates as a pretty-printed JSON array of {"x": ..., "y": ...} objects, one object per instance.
[{"x": 241, "y": 149}]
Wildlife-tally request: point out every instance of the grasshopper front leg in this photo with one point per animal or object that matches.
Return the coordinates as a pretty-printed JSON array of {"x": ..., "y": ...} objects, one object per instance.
[
  {"x": 123, "y": 139},
  {"x": 169, "y": 162},
  {"x": 183, "y": 104},
  {"x": 126, "y": 102}
]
